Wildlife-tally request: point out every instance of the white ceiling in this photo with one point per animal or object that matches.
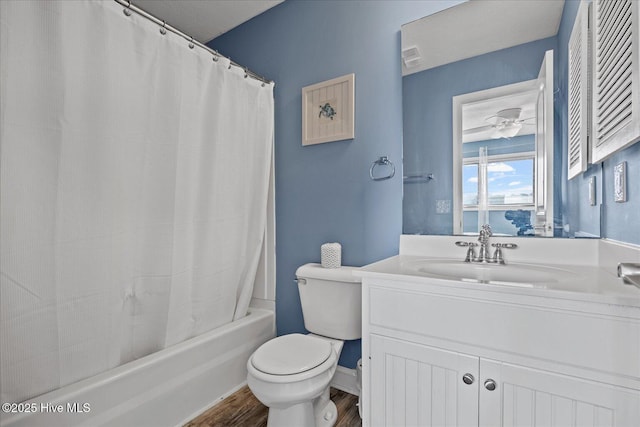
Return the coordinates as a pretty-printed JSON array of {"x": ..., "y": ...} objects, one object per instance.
[
  {"x": 477, "y": 27},
  {"x": 205, "y": 19}
]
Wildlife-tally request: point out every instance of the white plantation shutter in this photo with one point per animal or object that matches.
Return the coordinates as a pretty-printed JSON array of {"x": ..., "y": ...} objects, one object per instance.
[
  {"x": 579, "y": 110},
  {"x": 616, "y": 118}
]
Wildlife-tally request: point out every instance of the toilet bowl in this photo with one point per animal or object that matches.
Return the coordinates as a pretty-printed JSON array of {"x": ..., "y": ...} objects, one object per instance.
[{"x": 291, "y": 374}]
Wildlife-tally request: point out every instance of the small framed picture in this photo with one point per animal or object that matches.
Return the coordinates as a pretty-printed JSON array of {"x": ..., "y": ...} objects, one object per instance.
[{"x": 328, "y": 111}]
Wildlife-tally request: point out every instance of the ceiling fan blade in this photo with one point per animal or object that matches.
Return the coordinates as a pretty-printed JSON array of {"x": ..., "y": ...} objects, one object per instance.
[{"x": 477, "y": 130}]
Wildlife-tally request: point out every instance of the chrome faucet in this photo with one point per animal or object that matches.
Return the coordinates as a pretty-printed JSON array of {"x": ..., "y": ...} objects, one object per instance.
[
  {"x": 483, "y": 238},
  {"x": 484, "y": 256}
]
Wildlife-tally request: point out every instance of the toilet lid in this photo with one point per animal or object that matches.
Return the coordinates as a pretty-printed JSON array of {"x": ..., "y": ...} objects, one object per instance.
[{"x": 291, "y": 354}]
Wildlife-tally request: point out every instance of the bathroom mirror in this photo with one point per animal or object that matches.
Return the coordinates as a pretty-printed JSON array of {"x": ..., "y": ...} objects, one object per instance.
[{"x": 470, "y": 50}]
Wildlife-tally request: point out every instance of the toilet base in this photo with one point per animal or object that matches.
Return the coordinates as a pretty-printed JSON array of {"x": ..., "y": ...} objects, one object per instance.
[
  {"x": 300, "y": 414},
  {"x": 321, "y": 412},
  {"x": 327, "y": 416}
]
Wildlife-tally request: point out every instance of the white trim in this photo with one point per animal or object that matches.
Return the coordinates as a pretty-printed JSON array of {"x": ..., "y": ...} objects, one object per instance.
[
  {"x": 474, "y": 208},
  {"x": 345, "y": 379},
  {"x": 584, "y": 234},
  {"x": 524, "y": 155},
  {"x": 543, "y": 185}
]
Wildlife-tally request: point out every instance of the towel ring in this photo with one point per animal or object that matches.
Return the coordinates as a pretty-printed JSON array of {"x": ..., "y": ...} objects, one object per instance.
[{"x": 382, "y": 161}]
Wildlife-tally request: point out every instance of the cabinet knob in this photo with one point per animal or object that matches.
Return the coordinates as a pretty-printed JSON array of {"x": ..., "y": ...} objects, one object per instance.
[
  {"x": 468, "y": 379},
  {"x": 490, "y": 384}
]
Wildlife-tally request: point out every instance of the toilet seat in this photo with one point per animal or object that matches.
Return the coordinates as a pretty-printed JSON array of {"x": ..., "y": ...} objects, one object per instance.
[{"x": 291, "y": 354}]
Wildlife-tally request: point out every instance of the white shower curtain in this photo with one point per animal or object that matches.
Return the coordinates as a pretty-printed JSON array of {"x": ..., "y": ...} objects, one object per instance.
[{"x": 133, "y": 194}]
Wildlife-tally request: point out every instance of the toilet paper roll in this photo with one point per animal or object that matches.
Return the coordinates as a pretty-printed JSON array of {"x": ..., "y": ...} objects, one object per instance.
[{"x": 331, "y": 255}]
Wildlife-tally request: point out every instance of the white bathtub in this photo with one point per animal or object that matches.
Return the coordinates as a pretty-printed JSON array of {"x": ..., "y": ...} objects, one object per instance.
[{"x": 166, "y": 388}]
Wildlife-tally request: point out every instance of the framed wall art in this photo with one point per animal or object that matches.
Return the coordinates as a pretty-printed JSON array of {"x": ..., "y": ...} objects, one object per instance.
[{"x": 328, "y": 111}]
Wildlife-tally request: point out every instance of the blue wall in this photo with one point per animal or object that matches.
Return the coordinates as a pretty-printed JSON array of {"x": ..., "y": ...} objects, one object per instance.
[
  {"x": 427, "y": 105},
  {"x": 618, "y": 221},
  {"x": 323, "y": 192}
]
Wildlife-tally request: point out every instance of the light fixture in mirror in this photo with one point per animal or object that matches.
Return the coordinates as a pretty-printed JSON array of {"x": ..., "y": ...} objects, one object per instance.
[{"x": 513, "y": 36}]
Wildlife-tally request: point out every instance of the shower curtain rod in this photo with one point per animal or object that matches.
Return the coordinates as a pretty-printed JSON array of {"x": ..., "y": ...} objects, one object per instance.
[{"x": 163, "y": 24}]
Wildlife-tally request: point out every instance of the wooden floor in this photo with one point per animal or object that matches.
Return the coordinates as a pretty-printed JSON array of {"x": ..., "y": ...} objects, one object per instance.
[{"x": 243, "y": 409}]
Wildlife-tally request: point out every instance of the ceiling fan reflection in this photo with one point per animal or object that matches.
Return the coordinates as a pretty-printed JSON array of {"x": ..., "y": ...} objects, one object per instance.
[{"x": 504, "y": 124}]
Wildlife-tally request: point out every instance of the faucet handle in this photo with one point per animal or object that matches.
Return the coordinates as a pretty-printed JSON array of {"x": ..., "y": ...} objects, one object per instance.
[
  {"x": 504, "y": 245},
  {"x": 497, "y": 255},
  {"x": 471, "y": 252}
]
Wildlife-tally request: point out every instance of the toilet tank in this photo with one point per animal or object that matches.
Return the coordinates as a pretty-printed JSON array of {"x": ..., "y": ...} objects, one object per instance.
[{"x": 331, "y": 301}]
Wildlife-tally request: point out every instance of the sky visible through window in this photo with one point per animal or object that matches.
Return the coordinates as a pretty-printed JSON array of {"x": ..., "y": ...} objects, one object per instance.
[{"x": 510, "y": 182}]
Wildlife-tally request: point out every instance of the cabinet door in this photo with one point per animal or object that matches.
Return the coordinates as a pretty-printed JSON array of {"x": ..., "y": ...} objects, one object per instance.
[
  {"x": 616, "y": 97},
  {"x": 529, "y": 397},
  {"x": 416, "y": 385},
  {"x": 579, "y": 111}
]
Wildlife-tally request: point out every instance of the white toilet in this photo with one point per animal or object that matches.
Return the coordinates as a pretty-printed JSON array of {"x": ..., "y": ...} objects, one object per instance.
[{"x": 291, "y": 374}]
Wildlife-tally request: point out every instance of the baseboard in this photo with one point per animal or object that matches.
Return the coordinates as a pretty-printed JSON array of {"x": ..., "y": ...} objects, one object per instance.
[
  {"x": 345, "y": 379},
  {"x": 584, "y": 234}
]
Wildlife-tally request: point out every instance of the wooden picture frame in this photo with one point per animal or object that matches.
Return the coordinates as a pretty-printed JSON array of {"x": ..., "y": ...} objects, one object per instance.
[{"x": 328, "y": 111}]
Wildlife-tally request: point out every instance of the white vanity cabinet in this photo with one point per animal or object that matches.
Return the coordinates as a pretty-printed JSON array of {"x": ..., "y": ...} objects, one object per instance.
[
  {"x": 443, "y": 353},
  {"x": 417, "y": 385}
]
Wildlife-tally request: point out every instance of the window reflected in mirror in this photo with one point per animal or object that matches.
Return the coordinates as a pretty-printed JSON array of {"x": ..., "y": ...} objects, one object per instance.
[{"x": 510, "y": 194}]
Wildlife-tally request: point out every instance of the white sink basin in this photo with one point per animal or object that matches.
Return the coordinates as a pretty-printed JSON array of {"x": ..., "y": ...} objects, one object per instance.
[{"x": 525, "y": 275}]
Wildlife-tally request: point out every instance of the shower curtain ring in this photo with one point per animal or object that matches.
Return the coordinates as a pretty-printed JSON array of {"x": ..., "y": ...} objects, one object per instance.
[
  {"x": 163, "y": 31},
  {"x": 191, "y": 45},
  {"x": 246, "y": 73},
  {"x": 215, "y": 56},
  {"x": 127, "y": 10},
  {"x": 229, "y": 67}
]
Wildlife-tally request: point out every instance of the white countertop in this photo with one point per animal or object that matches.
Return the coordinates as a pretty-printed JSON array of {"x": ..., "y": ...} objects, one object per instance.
[{"x": 587, "y": 283}]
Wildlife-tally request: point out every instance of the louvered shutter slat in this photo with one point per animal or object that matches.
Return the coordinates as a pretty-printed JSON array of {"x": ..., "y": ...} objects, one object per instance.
[{"x": 616, "y": 122}]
